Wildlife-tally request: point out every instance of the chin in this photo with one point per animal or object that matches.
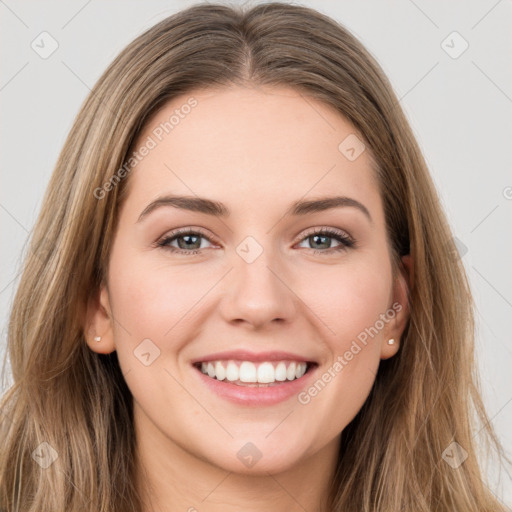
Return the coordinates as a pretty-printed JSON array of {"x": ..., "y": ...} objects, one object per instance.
[{"x": 257, "y": 457}]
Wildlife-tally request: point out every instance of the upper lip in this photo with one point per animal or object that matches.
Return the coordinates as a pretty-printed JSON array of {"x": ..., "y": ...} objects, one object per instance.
[{"x": 247, "y": 355}]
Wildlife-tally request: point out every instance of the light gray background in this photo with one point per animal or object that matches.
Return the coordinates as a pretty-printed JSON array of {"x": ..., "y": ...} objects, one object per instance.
[{"x": 460, "y": 109}]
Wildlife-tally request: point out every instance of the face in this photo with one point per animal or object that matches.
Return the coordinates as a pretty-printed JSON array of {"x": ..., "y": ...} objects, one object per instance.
[{"x": 254, "y": 278}]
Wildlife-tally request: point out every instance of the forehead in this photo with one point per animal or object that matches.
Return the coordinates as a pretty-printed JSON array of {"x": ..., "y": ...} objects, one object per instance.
[{"x": 270, "y": 144}]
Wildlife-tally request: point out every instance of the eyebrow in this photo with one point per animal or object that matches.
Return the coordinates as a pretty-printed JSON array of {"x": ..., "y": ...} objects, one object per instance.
[{"x": 217, "y": 209}]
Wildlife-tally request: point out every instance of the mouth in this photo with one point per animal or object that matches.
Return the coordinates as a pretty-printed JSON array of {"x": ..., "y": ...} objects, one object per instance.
[
  {"x": 247, "y": 373},
  {"x": 255, "y": 379}
]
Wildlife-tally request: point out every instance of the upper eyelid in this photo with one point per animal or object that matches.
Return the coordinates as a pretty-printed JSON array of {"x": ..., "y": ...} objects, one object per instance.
[
  {"x": 187, "y": 231},
  {"x": 320, "y": 229}
]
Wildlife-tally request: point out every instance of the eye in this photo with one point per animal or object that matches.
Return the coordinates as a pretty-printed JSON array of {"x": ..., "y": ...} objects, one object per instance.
[
  {"x": 186, "y": 241},
  {"x": 192, "y": 241},
  {"x": 321, "y": 240}
]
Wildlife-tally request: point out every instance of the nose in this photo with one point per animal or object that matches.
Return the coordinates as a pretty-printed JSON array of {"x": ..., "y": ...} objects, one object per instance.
[{"x": 258, "y": 294}]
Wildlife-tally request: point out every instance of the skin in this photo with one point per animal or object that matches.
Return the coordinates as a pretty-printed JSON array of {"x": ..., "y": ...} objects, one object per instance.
[{"x": 257, "y": 151}]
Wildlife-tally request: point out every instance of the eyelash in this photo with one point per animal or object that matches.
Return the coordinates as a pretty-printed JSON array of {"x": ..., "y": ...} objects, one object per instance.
[{"x": 346, "y": 242}]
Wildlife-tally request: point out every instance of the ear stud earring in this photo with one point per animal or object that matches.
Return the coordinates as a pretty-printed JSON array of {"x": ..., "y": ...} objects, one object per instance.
[
  {"x": 97, "y": 338},
  {"x": 391, "y": 341}
]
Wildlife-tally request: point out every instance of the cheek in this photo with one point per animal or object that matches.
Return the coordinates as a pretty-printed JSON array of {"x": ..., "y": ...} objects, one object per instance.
[
  {"x": 350, "y": 299},
  {"x": 154, "y": 310},
  {"x": 357, "y": 296},
  {"x": 152, "y": 301}
]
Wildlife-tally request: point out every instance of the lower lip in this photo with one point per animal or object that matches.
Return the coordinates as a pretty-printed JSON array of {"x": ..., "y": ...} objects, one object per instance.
[{"x": 265, "y": 395}]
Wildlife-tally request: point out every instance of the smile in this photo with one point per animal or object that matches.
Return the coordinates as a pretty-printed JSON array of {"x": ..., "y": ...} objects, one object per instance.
[
  {"x": 247, "y": 373},
  {"x": 255, "y": 379}
]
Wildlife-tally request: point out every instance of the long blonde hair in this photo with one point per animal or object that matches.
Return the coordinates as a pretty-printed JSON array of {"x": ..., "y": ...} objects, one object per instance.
[{"x": 64, "y": 394}]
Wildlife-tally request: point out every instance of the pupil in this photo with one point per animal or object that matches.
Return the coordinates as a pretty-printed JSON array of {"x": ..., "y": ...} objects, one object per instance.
[
  {"x": 188, "y": 244},
  {"x": 325, "y": 244}
]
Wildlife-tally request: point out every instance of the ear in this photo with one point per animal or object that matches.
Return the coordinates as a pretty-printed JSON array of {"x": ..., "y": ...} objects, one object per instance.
[
  {"x": 99, "y": 322},
  {"x": 400, "y": 305}
]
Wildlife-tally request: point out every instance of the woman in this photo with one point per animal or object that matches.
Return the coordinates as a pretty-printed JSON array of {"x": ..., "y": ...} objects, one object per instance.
[{"x": 242, "y": 292}]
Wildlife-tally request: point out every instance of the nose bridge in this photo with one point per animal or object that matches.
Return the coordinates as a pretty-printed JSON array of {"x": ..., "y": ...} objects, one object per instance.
[{"x": 258, "y": 293}]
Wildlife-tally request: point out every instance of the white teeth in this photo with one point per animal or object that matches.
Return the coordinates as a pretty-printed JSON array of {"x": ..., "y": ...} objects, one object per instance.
[
  {"x": 266, "y": 373},
  {"x": 232, "y": 371},
  {"x": 290, "y": 373},
  {"x": 248, "y": 372},
  {"x": 280, "y": 373},
  {"x": 220, "y": 372}
]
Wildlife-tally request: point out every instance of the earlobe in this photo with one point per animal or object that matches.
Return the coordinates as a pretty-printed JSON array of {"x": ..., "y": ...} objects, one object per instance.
[
  {"x": 98, "y": 330},
  {"x": 389, "y": 348}
]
